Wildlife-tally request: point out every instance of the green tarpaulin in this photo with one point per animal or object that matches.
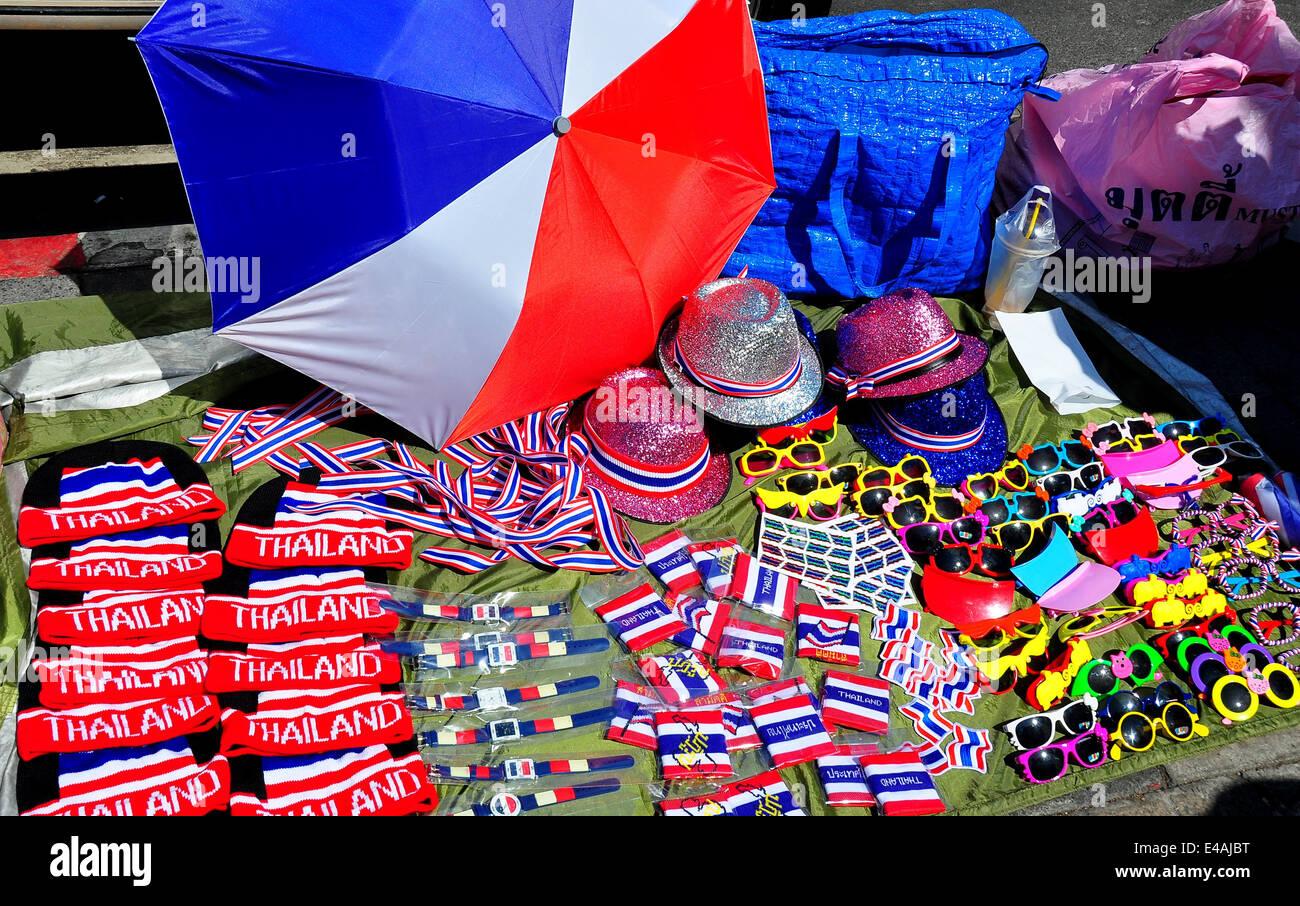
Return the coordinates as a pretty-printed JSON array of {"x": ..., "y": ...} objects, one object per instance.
[{"x": 39, "y": 431}]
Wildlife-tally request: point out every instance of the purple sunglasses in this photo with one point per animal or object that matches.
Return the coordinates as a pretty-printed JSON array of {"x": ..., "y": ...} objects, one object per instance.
[{"x": 1050, "y": 762}]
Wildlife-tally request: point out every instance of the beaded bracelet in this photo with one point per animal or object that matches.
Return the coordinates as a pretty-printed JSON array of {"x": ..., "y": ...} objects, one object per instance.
[{"x": 1254, "y": 622}]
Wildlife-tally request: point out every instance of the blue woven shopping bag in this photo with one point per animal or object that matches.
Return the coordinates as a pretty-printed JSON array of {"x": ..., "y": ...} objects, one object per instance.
[{"x": 886, "y": 134}]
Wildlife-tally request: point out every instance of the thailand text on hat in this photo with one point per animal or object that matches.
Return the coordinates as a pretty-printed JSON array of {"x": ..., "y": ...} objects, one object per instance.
[
  {"x": 650, "y": 455},
  {"x": 902, "y": 344},
  {"x": 738, "y": 353}
]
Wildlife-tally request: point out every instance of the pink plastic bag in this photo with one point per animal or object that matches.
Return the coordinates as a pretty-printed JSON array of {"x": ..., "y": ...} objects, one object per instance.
[{"x": 1190, "y": 157}]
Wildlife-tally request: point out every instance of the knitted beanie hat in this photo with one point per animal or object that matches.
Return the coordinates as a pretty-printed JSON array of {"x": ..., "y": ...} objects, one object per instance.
[
  {"x": 305, "y": 721},
  {"x": 111, "y": 487},
  {"x": 290, "y": 605},
  {"x": 162, "y": 778},
  {"x": 326, "y": 663},
  {"x": 118, "y": 617},
  {"x": 159, "y": 557},
  {"x": 110, "y": 674},
  {"x": 291, "y": 524}
]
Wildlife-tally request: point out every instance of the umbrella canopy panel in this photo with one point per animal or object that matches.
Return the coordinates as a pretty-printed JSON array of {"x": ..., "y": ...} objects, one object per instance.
[{"x": 461, "y": 211}]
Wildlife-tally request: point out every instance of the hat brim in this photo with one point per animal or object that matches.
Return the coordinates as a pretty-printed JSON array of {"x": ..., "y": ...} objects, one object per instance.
[
  {"x": 703, "y": 496},
  {"x": 974, "y": 353},
  {"x": 1087, "y": 585},
  {"x": 949, "y": 469},
  {"x": 754, "y": 412}
]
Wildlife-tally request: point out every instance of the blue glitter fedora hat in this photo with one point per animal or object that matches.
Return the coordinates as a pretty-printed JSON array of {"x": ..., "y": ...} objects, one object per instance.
[{"x": 958, "y": 429}]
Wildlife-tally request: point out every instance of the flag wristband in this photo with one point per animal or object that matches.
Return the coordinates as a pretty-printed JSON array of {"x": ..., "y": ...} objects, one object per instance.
[
  {"x": 476, "y": 642},
  {"x": 509, "y": 729},
  {"x": 529, "y": 769},
  {"x": 509, "y": 804},
  {"x": 498, "y": 697}
]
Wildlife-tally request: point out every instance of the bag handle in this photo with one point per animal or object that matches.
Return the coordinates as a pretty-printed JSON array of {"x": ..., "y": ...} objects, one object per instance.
[
  {"x": 924, "y": 249},
  {"x": 1220, "y": 476}
]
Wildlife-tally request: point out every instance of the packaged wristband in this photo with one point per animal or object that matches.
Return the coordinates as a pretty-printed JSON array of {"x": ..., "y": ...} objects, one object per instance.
[
  {"x": 514, "y": 691},
  {"x": 692, "y": 744},
  {"x": 843, "y": 781},
  {"x": 485, "y": 655},
  {"x": 633, "y": 721},
  {"x": 497, "y": 610},
  {"x": 535, "y": 719},
  {"x": 792, "y": 730},
  {"x": 640, "y": 618},
  {"x": 714, "y": 561},
  {"x": 756, "y": 648},
  {"x": 704, "y": 619},
  {"x": 679, "y": 677},
  {"x": 763, "y": 588},
  {"x": 855, "y": 700},
  {"x": 830, "y": 635},
  {"x": 670, "y": 561},
  {"x": 901, "y": 784},
  {"x": 514, "y": 769}
]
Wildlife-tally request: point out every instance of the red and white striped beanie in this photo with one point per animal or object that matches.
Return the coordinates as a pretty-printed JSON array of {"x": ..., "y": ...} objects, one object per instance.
[
  {"x": 41, "y": 730},
  {"x": 291, "y": 605},
  {"x": 288, "y": 537},
  {"x": 106, "y": 488}
]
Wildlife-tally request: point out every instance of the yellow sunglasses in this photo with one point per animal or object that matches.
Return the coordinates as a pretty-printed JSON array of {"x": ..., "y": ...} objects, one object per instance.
[{"x": 822, "y": 503}]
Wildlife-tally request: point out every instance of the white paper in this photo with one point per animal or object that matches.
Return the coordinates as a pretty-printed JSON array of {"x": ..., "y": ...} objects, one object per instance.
[{"x": 1055, "y": 361}]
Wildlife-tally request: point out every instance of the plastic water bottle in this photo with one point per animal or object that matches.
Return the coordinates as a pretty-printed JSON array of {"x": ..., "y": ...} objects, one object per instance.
[{"x": 1023, "y": 237}]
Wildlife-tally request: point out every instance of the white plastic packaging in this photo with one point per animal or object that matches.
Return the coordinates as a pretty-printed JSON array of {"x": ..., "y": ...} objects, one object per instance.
[{"x": 1023, "y": 238}]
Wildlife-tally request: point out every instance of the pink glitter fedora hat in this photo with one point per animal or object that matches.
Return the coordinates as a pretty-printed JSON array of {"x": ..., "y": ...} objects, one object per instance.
[
  {"x": 737, "y": 352},
  {"x": 650, "y": 454},
  {"x": 902, "y": 344}
]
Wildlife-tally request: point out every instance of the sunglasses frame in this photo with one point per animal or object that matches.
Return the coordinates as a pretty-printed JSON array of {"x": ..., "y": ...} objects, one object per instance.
[
  {"x": 1089, "y": 701},
  {"x": 1157, "y": 724},
  {"x": 1081, "y": 683},
  {"x": 1070, "y": 749}
]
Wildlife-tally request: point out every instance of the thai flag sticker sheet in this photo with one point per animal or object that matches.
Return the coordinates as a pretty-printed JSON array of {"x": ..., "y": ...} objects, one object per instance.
[
  {"x": 692, "y": 744},
  {"x": 830, "y": 635},
  {"x": 792, "y": 730},
  {"x": 757, "y": 649},
  {"x": 680, "y": 677},
  {"x": 843, "y": 781},
  {"x": 670, "y": 561},
  {"x": 855, "y": 701},
  {"x": 901, "y": 784},
  {"x": 640, "y": 618},
  {"x": 633, "y": 721},
  {"x": 763, "y": 588}
]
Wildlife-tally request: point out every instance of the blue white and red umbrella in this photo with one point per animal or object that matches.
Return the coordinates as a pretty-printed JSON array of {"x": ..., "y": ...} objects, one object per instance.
[{"x": 461, "y": 211}]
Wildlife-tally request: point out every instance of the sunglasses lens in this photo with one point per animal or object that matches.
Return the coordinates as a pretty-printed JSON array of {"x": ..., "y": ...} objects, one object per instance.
[
  {"x": 1178, "y": 721},
  {"x": 1014, "y": 536},
  {"x": 1246, "y": 450},
  {"x": 1096, "y": 521},
  {"x": 1209, "y": 457},
  {"x": 914, "y": 467},
  {"x": 1057, "y": 484},
  {"x": 1090, "y": 751},
  {"x": 997, "y": 511},
  {"x": 823, "y": 511},
  {"x": 953, "y": 560},
  {"x": 760, "y": 460},
  {"x": 996, "y": 560},
  {"x": 982, "y": 487},
  {"x": 909, "y": 512},
  {"x": 1108, "y": 433},
  {"x": 1046, "y": 765},
  {"x": 876, "y": 478},
  {"x": 1044, "y": 459},
  {"x": 821, "y": 435},
  {"x": 872, "y": 501},
  {"x": 947, "y": 508},
  {"x": 1101, "y": 680},
  {"x": 1166, "y": 693},
  {"x": 801, "y": 483},
  {"x": 1125, "y": 511},
  {"x": 1135, "y": 426},
  {"x": 1192, "y": 444},
  {"x": 1030, "y": 506},
  {"x": 1136, "y": 731},
  {"x": 1282, "y": 685},
  {"x": 915, "y": 489},
  {"x": 844, "y": 475},
  {"x": 1092, "y": 475},
  {"x": 805, "y": 454},
  {"x": 967, "y": 531},
  {"x": 923, "y": 538},
  {"x": 1016, "y": 475},
  {"x": 1076, "y": 453},
  {"x": 1236, "y": 696},
  {"x": 1078, "y": 718},
  {"x": 1033, "y": 732},
  {"x": 1143, "y": 669}
]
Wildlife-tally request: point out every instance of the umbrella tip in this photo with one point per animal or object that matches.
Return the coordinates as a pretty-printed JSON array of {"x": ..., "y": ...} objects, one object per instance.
[{"x": 561, "y": 125}]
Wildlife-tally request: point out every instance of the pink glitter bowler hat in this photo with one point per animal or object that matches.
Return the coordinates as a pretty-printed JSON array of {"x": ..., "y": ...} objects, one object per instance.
[
  {"x": 902, "y": 344},
  {"x": 650, "y": 454},
  {"x": 737, "y": 352}
]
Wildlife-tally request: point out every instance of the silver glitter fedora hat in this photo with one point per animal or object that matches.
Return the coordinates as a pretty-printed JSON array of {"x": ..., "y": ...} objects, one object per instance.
[
  {"x": 650, "y": 453},
  {"x": 902, "y": 344},
  {"x": 736, "y": 352}
]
